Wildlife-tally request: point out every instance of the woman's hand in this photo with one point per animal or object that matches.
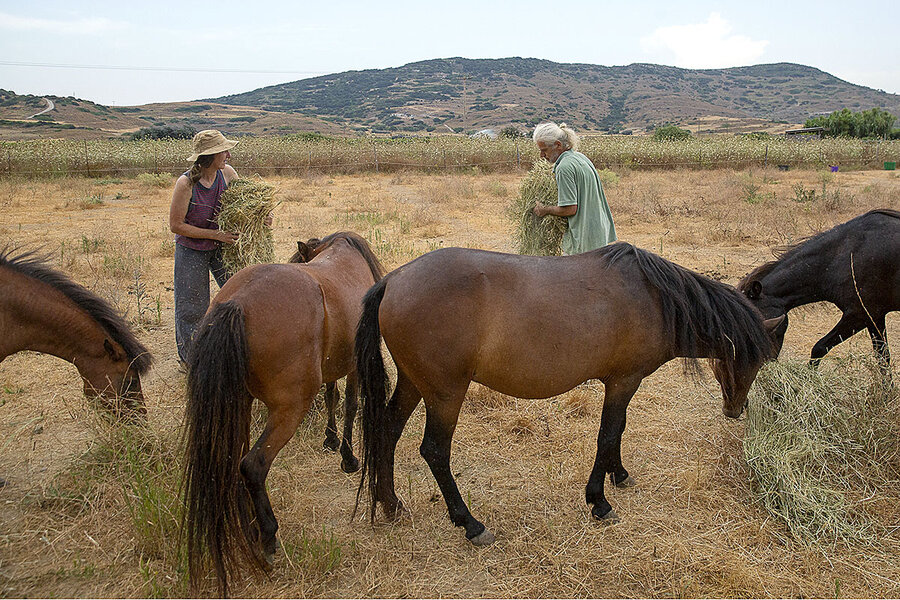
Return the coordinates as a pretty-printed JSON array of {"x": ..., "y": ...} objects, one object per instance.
[{"x": 226, "y": 237}]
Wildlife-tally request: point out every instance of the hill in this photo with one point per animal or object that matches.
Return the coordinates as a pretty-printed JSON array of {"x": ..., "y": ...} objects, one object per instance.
[{"x": 466, "y": 94}]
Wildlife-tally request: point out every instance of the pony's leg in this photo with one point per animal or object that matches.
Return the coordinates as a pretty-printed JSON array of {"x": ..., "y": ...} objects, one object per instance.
[
  {"x": 609, "y": 443},
  {"x": 349, "y": 463},
  {"x": 403, "y": 401},
  {"x": 285, "y": 414},
  {"x": 331, "y": 438},
  {"x": 877, "y": 332},
  {"x": 332, "y": 442},
  {"x": 849, "y": 324},
  {"x": 441, "y": 415}
]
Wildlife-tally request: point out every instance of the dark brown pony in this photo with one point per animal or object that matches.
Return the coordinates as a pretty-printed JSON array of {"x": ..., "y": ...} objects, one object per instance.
[
  {"x": 855, "y": 266},
  {"x": 45, "y": 311},
  {"x": 615, "y": 314},
  {"x": 275, "y": 333}
]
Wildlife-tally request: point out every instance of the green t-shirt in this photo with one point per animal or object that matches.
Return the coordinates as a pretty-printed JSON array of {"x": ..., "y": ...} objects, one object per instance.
[{"x": 578, "y": 183}]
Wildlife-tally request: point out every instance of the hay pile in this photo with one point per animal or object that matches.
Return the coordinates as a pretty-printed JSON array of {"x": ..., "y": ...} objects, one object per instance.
[
  {"x": 822, "y": 447},
  {"x": 537, "y": 235},
  {"x": 245, "y": 205}
]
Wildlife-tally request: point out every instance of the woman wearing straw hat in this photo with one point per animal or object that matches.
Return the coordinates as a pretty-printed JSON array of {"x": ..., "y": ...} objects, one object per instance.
[{"x": 198, "y": 239}]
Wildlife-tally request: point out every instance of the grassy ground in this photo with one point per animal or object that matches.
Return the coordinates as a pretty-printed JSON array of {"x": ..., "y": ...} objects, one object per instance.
[{"x": 78, "y": 519}]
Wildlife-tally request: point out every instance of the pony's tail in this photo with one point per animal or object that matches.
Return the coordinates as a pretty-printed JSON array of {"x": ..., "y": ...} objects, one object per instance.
[
  {"x": 373, "y": 383},
  {"x": 217, "y": 522}
]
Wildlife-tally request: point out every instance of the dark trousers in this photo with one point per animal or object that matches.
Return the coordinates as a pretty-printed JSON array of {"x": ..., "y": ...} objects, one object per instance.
[{"x": 192, "y": 269}]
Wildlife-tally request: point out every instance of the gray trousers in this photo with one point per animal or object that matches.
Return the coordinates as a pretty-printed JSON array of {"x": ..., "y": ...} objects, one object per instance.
[{"x": 192, "y": 269}]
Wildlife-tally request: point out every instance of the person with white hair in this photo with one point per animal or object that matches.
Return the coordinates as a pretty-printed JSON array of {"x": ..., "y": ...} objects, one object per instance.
[{"x": 580, "y": 193}]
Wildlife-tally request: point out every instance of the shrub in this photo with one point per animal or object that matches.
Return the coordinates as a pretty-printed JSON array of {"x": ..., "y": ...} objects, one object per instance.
[
  {"x": 155, "y": 179},
  {"x": 670, "y": 133},
  {"x": 162, "y": 131}
]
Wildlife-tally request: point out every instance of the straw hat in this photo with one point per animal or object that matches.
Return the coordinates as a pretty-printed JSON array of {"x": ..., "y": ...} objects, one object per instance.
[{"x": 210, "y": 141}]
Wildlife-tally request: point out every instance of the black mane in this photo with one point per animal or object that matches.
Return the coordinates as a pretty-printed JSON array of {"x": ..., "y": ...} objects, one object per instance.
[
  {"x": 34, "y": 265},
  {"x": 699, "y": 313}
]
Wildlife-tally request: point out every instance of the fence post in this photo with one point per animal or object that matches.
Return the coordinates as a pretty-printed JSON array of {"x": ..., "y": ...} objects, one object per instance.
[
  {"x": 766, "y": 160},
  {"x": 8, "y": 162},
  {"x": 518, "y": 158},
  {"x": 87, "y": 164},
  {"x": 308, "y": 160},
  {"x": 375, "y": 153}
]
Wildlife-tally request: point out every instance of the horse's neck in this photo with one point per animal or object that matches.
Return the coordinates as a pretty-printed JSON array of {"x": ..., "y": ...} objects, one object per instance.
[
  {"x": 35, "y": 316},
  {"x": 796, "y": 280}
]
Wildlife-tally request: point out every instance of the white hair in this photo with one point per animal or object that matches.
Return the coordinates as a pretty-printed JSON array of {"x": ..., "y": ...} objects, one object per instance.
[{"x": 550, "y": 133}]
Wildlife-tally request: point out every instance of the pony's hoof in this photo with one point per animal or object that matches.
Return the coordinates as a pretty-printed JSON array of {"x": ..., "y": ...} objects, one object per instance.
[
  {"x": 331, "y": 444},
  {"x": 485, "y": 538},
  {"x": 396, "y": 512},
  {"x": 350, "y": 466},
  {"x": 607, "y": 518},
  {"x": 627, "y": 482},
  {"x": 270, "y": 560}
]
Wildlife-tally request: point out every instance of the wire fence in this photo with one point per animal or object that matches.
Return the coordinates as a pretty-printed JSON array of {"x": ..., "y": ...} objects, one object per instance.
[{"x": 289, "y": 155}]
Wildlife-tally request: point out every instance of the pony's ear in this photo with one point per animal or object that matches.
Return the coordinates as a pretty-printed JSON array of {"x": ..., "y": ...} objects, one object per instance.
[
  {"x": 303, "y": 251},
  {"x": 114, "y": 354},
  {"x": 754, "y": 290}
]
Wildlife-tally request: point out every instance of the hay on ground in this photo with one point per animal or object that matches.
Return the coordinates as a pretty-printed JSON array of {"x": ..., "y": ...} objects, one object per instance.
[
  {"x": 821, "y": 445},
  {"x": 245, "y": 205},
  {"x": 540, "y": 236}
]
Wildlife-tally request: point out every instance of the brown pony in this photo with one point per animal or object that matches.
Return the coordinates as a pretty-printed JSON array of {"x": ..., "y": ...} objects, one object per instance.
[
  {"x": 274, "y": 332},
  {"x": 45, "y": 311},
  {"x": 615, "y": 314}
]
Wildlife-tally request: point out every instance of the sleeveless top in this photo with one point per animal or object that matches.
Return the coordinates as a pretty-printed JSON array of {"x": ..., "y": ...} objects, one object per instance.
[{"x": 202, "y": 212}]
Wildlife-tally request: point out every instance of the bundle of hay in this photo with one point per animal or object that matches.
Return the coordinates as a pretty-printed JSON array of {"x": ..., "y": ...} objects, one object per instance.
[
  {"x": 822, "y": 447},
  {"x": 244, "y": 208},
  {"x": 537, "y": 235}
]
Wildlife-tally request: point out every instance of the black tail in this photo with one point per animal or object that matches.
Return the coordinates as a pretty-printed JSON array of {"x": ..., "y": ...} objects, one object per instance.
[
  {"x": 373, "y": 384},
  {"x": 218, "y": 520}
]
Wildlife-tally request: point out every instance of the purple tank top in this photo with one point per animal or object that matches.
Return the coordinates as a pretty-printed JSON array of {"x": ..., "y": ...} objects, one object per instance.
[{"x": 202, "y": 211}]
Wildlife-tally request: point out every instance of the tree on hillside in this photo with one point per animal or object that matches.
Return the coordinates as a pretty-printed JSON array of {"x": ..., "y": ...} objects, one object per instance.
[
  {"x": 873, "y": 123},
  {"x": 670, "y": 133}
]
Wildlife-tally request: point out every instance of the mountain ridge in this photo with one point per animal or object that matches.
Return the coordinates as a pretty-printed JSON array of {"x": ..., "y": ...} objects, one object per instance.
[{"x": 469, "y": 94}]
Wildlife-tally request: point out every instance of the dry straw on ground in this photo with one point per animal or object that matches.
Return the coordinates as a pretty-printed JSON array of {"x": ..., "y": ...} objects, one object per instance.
[
  {"x": 821, "y": 443},
  {"x": 537, "y": 235},
  {"x": 245, "y": 206}
]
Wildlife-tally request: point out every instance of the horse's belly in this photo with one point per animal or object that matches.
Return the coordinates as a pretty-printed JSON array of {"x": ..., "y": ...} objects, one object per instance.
[{"x": 533, "y": 379}]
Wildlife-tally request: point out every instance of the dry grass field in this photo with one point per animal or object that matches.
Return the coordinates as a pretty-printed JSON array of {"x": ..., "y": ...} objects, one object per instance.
[{"x": 72, "y": 523}]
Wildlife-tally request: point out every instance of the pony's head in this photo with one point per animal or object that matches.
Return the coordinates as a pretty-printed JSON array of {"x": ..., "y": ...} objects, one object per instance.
[
  {"x": 306, "y": 251},
  {"x": 736, "y": 376},
  {"x": 115, "y": 381},
  {"x": 769, "y": 306}
]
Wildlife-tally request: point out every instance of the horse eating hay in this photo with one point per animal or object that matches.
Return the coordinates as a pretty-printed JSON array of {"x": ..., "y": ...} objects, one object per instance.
[
  {"x": 616, "y": 314},
  {"x": 45, "y": 311},
  {"x": 854, "y": 265}
]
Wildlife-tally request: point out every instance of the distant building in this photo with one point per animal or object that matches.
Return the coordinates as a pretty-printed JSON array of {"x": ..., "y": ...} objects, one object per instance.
[
  {"x": 485, "y": 134},
  {"x": 806, "y": 132}
]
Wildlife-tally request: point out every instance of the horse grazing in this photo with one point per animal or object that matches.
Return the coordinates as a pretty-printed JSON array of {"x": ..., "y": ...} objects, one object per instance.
[
  {"x": 855, "y": 266},
  {"x": 275, "y": 332},
  {"x": 615, "y": 314},
  {"x": 45, "y": 311}
]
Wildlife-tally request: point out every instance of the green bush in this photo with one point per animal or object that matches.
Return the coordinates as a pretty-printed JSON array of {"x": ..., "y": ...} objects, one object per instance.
[
  {"x": 873, "y": 123},
  {"x": 162, "y": 132},
  {"x": 670, "y": 133}
]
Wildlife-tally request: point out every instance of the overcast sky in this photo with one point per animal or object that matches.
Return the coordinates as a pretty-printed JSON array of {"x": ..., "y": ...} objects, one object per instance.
[{"x": 127, "y": 53}]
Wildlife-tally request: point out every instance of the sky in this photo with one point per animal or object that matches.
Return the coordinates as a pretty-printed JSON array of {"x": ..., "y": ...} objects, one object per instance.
[{"x": 129, "y": 53}]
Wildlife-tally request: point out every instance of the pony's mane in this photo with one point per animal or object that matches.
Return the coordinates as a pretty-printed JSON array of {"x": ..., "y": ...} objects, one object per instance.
[
  {"x": 783, "y": 253},
  {"x": 357, "y": 242},
  {"x": 32, "y": 264},
  {"x": 698, "y": 312}
]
